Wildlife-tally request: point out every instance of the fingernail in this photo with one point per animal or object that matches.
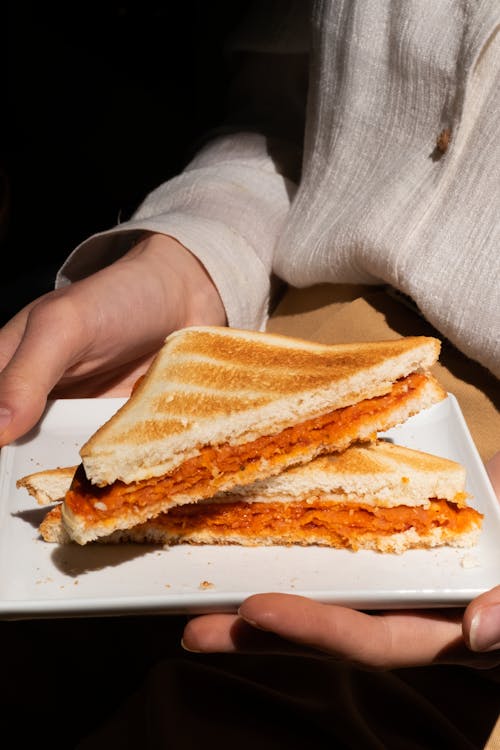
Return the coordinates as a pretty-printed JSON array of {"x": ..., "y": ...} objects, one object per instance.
[
  {"x": 250, "y": 622},
  {"x": 5, "y": 418},
  {"x": 485, "y": 629},
  {"x": 247, "y": 619},
  {"x": 191, "y": 650}
]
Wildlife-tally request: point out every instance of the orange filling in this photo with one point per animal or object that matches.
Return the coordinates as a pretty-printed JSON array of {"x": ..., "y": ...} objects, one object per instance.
[
  {"x": 209, "y": 470},
  {"x": 340, "y": 524}
]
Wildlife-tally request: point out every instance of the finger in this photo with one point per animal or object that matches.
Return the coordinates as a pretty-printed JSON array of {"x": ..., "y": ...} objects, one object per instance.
[
  {"x": 46, "y": 347},
  {"x": 481, "y": 623},
  {"x": 230, "y": 634},
  {"x": 386, "y": 641},
  {"x": 209, "y": 633}
]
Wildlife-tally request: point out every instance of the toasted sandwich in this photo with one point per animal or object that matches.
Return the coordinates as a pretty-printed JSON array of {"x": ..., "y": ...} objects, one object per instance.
[
  {"x": 221, "y": 407},
  {"x": 377, "y": 496}
]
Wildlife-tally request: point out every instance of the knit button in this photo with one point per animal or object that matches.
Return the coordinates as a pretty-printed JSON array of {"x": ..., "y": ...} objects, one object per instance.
[{"x": 443, "y": 140}]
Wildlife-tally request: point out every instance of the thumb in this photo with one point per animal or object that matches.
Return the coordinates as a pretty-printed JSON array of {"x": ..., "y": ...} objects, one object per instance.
[
  {"x": 481, "y": 623},
  {"x": 23, "y": 398},
  {"x": 35, "y": 366}
]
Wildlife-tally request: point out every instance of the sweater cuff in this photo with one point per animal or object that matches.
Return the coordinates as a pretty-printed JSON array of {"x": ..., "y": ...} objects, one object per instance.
[{"x": 238, "y": 273}]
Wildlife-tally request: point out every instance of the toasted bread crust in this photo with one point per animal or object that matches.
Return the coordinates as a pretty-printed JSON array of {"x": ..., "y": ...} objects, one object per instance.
[{"x": 48, "y": 486}]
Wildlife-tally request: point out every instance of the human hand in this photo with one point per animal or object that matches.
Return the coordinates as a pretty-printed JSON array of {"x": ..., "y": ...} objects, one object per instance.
[
  {"x": 284, "y": 623},
  {"x": 96, "y": 336}
]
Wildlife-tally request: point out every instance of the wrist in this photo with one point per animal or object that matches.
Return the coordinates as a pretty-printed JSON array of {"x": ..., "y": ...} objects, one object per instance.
[
  {"x": 202, "y": 302},
  {"x": 189, "y": 294}
]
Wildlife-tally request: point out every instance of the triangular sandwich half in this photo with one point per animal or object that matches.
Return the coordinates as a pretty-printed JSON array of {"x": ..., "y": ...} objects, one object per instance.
[
  {"x": 221, "y": 407},
  {"x": 377, "y": 496}
]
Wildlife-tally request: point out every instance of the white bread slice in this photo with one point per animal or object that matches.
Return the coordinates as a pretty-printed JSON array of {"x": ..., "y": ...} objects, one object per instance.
[
  {"x": 380, "y": 476},
  {"x": 211, "y": 386},
  {"x": 48, "y": 486},
  {"x": 380, "y": 473}
]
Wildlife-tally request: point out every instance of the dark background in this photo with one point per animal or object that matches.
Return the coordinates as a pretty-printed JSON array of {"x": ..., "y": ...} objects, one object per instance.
[{"x": 104, "y": 101}]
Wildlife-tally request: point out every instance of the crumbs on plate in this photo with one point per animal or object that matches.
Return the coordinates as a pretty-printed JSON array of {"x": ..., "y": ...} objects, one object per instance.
[{"x": 470, "y": 561}]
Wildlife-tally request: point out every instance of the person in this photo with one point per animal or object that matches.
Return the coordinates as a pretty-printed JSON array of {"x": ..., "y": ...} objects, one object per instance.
[{"x": 360, "y": 148}]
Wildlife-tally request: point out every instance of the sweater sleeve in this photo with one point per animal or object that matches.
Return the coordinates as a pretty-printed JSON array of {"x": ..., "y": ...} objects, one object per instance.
[{"x": 230, "y": 202}]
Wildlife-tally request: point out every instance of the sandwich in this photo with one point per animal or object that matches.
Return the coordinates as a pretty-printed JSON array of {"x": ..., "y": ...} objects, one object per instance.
[
  {"x": 378, "y": 496},
  {"x": 222, "y": 407}
]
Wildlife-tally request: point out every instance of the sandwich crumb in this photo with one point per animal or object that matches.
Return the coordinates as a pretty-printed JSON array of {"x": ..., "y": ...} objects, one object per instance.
[
  {"x": 469, "y": 561},
  {"x": 206, "y": 585}
]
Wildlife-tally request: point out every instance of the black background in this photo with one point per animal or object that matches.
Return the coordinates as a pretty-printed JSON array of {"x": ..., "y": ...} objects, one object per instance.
[{"x": 103, "y": 102}]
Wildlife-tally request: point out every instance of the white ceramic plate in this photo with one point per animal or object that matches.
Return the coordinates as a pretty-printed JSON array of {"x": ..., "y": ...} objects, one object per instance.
[{"x": 44, "y": 580}]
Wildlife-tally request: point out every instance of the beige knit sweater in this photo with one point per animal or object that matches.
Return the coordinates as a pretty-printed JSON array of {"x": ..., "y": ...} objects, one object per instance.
[{"x": 363, "y": 147}]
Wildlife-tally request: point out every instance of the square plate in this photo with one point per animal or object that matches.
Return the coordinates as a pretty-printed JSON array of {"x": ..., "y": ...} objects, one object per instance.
[{"x": 38, "y": 579}]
